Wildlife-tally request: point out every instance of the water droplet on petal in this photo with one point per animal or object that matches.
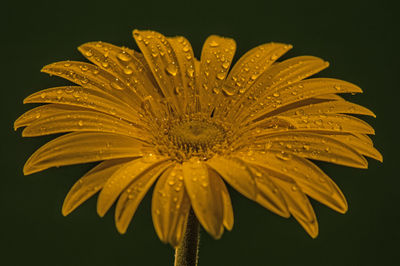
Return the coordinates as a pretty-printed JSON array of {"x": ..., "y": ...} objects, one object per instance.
[
  {"x": 221, "y": 76},
  {"x": 213, "y": 44},
  {"x": 128, "y": 71},
  {"x": 123, "y": 56},
  {"x": 172, "y": 69}
]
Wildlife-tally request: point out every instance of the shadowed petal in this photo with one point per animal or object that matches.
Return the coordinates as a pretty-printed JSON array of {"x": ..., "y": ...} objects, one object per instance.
[
  {"x": 91, "y": 183},
  {"x": 170, "y": 206},
  {"x": 236, "y": 173},
  {"x": 205, "y": 196},
  {"x": 312, "y": 180},
  {"x": 138, "y": 186},
  {"x": 226, "y": 199},
  {"x": 124, "y": 177}
]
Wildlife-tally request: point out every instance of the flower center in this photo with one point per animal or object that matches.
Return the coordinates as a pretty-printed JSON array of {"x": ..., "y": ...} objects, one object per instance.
[
  {"x": 196, "y": 135},
  {"x": 192, "y": 137}
]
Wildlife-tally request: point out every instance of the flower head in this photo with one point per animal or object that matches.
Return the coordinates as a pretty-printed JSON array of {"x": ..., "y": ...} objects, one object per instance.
[{"x": 162, "y": 117}]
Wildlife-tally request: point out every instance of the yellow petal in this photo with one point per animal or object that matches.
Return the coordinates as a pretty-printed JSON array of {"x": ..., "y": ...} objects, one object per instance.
[
  {"x": 360, "y": 145},
  {"x": 134, "y": 193},
  {"x": 205, "y": 196},
  {"x": 216, "y": 58},
  {"x": 170, "y": 206},
  {"x": 236, "y": 173},
  {"x": 128, "y": 65},
  {"x": 330, "y": 107},
  {"x": 82, "y": 147},
  {"x": 277, "y": 76},
  {"x": 81, "y": 120},
  {"x": 312, "y": 180},
  {"x": 299, "y": 205},
  {"x": 331, "y": 97},
  {"x": 93, "y": 77},
  {"x": 165, "y": 65},
  {"x": 186, "y": 61},
  {"x": 269, "y": 195},
  {"x": 85, "y": 98},
  {"x": 40, "y": 112},
  {"x": 314, "y": 146},
  {"x": 288, "y": 95},
  {"x": 252, "y": 64},
  {"x": 124, "y": 177},
  {"x": 91, "y": 183},
  {"x": 226, "y": 200},
  {"x": 334, "y": 123}
]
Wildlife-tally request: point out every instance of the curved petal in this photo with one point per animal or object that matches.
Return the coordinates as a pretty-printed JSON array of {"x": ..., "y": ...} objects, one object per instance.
[
  {"x": 134, "y": 193},
  {"x": 334, "y": 123},
  {"x": 236, "y": 173},
  {"x": 82, "y": 120},
  {"x": 131, "y": 68},
  {"x": 312, "y": 180},
  {"x": 93, "y": 77},
  {"x": 288, "y": 95},
  {"x": 189, "y": 93},
  {"x": 277, "y": 76},
  {"x": 251, "y": 65},
  {"x": 226, "y": 200},
  {"x": 167, "y": 67},
  {"x": 91, "y": 183},
  {"x": 330, "y": 107},
  {"x": 269, "y": 195},
  {"x": 216, "y": 58},
  {"x": 205, "y": 196},
  {"x": 360, "y": 145},
  {"x": 83, "y": 147},
  {"x": 132, "y": 173},
  {"x": 85, "y": 98},
  {"x": 298, "y": 205},
  {"x": 170, "y": 206},
  {"x": 314, "y": 146}
]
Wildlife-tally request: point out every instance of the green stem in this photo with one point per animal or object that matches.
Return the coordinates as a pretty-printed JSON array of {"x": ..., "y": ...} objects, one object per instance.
[{"x": 187, "y": 253}]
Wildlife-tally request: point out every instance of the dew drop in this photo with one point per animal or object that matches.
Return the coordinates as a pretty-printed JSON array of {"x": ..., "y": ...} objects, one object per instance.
[
  {"x": 128, "y": 71},
  {"x": 172, "y": 69},
  {"x": 88, "y": 53},
  {"x": 213, "y": 44},
  {"x": 221, "y": 76},
  {"x": 123, "y": 56},
  {"x": 225, "y": 65},
  {"x": 80, "y": 123},
  {"x": 190, "y": 72}
]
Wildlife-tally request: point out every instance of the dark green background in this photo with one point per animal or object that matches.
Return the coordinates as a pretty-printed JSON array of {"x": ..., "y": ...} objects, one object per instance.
[{"x": 359, "y": 39}]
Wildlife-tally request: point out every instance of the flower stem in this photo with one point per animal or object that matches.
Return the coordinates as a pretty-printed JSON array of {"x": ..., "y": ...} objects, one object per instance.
[{"x": 187, "y": 253}]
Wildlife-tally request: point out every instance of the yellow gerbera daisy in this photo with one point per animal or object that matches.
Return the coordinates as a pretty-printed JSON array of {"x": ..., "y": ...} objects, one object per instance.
[{"x": 189, "y": 126}]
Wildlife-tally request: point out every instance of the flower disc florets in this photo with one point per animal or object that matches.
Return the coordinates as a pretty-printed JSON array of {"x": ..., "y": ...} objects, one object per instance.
[{"x": 193, "y": 136}]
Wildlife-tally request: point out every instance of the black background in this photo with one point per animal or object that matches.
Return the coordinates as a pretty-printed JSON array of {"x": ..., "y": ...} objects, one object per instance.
[{"x": 358, "y": 38}]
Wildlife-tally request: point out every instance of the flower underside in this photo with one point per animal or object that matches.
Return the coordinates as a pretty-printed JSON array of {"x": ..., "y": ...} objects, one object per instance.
[{"x": 188, "y": 126}]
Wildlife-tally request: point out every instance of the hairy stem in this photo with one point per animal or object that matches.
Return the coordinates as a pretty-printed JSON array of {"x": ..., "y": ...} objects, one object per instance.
[{"x": 187, "y": 253}]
